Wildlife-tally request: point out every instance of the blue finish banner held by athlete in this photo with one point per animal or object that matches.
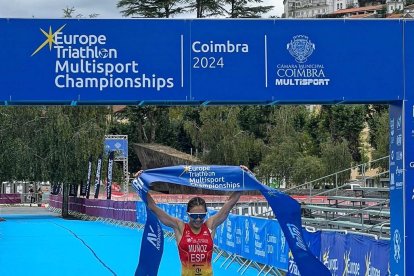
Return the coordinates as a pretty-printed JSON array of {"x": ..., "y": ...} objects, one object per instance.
[
  {"x": 199, "y": 61},
  {"x": 222, "y": 178}
]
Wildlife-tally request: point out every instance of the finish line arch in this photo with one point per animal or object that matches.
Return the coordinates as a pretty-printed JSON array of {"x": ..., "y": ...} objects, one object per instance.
[{"x": 220, "y": 62}]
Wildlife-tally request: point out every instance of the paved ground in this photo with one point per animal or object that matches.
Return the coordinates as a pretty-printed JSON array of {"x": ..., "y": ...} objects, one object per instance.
[{"x": 34, "y": 210}]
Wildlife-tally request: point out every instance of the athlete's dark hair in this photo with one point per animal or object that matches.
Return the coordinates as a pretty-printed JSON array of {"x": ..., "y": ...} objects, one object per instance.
[{"x": 196, "y": 201}]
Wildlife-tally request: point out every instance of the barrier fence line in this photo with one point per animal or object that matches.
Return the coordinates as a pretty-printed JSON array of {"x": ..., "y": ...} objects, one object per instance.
[
  {"x": 258, "y": 242},
  {"x": 251, "y": 242}
]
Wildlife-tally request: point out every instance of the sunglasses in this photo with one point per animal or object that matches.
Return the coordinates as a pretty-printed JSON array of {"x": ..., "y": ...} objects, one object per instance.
[{"x": 197, "y": 215}]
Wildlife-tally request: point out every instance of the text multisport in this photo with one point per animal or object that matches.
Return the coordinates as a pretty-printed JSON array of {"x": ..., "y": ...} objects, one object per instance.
[{"x": 84, "y": 61}]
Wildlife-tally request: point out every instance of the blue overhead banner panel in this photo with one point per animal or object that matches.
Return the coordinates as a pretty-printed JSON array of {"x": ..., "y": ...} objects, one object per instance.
[
  {"x": 303, "y": 61},
  {"x": 338, "y": 61},
  {"x": 92, "y": 61},
  {"x": 199, "y": 61}
]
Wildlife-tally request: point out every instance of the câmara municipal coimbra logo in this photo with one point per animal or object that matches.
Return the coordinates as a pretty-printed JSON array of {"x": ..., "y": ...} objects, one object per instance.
[
  {"x": 300, "y": 47},
  {"x": 301, "y": 72}
]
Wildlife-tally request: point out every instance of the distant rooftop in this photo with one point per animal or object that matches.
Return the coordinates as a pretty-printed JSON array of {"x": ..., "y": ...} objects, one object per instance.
[{"x": 358, "y": 10}]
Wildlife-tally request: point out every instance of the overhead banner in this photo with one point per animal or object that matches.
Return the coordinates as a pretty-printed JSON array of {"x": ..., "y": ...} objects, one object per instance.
[
  {"x": 86, "y": 61},
  {"x": 225, "y": 178}
]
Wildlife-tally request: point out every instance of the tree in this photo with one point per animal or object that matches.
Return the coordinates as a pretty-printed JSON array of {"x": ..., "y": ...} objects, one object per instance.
[
  {"x": 382, "y": 139},
  {"x": 218, "y": 136},
  {"x": 256, "y": 120},
  {"x": 151, "y": 8},
  {"x": 345, "y": 122},
  {"x": 242, "y": 9},
  {"x": 279, "y": 161},
  {"x": 69, "y": 12},
  {"x": 50, "y": 144},
  {"x": 206, "y": 8},
  {"x": 307, "y": 168},
  {"x": 374, "y": 118},
  {"x": 287, "y": 143},
  {"x": 336, "y": 157}
]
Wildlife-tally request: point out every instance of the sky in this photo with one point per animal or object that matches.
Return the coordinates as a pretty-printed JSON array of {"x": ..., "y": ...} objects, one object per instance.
[{"x": 105, "y": 8}]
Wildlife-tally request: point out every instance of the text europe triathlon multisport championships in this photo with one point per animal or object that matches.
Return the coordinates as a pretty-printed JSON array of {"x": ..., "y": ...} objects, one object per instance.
[
  {"x": 83, "y": 61},
  {"x": 204, "y": 177}
]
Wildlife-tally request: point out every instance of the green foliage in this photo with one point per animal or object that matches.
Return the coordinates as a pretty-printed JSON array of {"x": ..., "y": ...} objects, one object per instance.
[
  {"x": 151, "y": 8},
  {"x": 205, "y": 8},
  {"x": 256, "y": 120},
  {"x": 243, "y": 9},
  {"x": 285, "y": 144},
  {"x": 201, "y": 8},
  {"x": 307, "y": 168},
  {"x": 50, "y": 144},
  {"x": 70, "y": 12},
  {"x": 375, "y": 115},
  {"x": 345, "y": 122},
  {"x": 382, "y": 138},
  {"x": 280, "y": 161},
  {"x": 335, "y": 157},
  {"x": 218, "y": 135}
]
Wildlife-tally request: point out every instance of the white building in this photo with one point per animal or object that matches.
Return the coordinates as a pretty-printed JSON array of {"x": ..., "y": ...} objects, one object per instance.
[
  {"x": 394, "y": 5},
  {"x": 315, "y": 8}
]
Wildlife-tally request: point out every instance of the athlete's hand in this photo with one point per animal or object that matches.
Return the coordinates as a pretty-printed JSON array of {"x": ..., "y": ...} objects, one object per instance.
[
  {"x": 138, "y": 173},
  {"x": 244, "y": 168}
]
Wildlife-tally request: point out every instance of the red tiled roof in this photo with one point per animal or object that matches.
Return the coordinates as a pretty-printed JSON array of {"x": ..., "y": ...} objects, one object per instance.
[
  {"x": 395, "y": 15},
  {"x": 362, "y": 9},
  {"x": 364, "y": 15}
]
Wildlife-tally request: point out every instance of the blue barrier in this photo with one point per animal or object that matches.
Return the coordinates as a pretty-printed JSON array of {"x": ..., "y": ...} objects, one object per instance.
[{"x": 262, "y": 241}]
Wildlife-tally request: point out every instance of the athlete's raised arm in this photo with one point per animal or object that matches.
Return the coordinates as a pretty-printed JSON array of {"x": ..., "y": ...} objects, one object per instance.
[
  {"x": 165, "y": 218},
  {"x": 214, "y": 221}
]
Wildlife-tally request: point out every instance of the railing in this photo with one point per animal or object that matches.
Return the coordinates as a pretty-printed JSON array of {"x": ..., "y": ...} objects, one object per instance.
[
  {"x": 24, "y": 198},
  {"x": 361, "y": 167},
  {"x": 343, "y": 186}
]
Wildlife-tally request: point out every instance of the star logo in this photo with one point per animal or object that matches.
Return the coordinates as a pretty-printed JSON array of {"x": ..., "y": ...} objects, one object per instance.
[
  {"x": 50, "y": 39},
  {"x": 346, "y": 260},
  {"x": 186, "y": 170},
  {"x": 325, "y": 257}
]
